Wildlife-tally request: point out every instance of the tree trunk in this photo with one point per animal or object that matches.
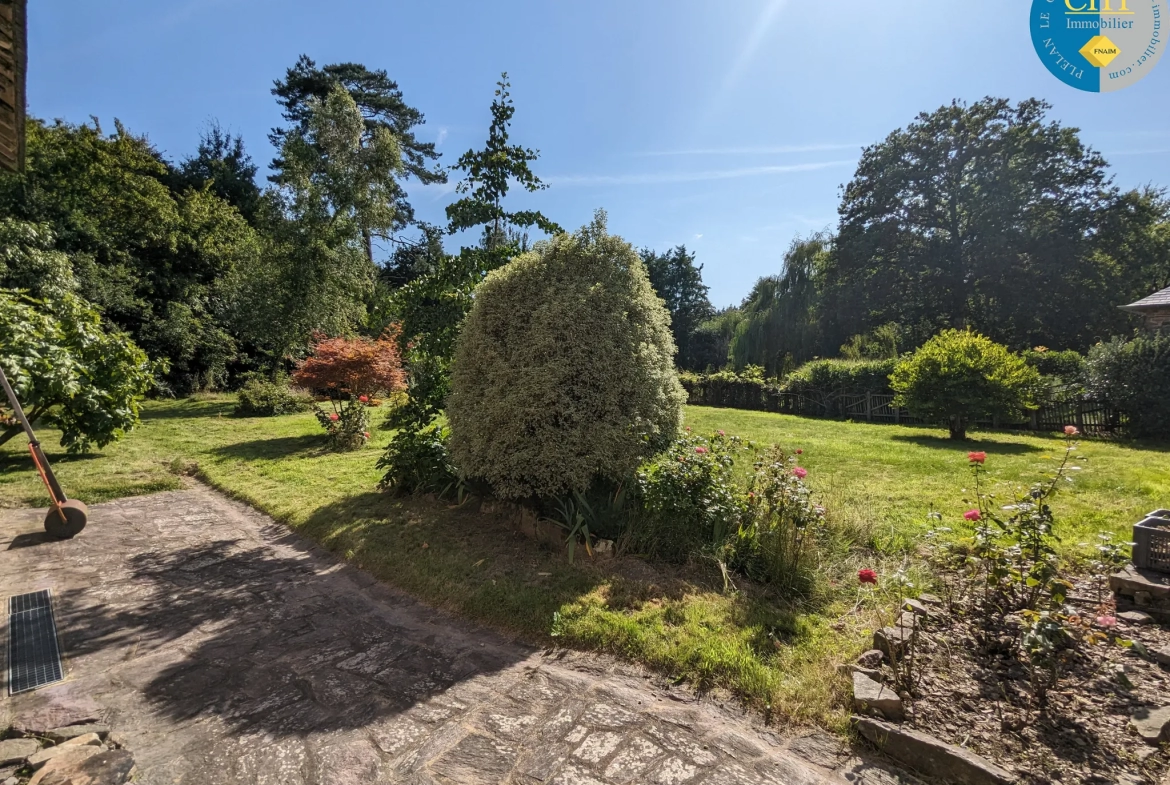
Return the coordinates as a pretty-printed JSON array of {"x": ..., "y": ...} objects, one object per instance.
[
  {"x": 368, "y": 240},
  {"x": 10, "y": 432},
  {"x": 958, "y": 428}
]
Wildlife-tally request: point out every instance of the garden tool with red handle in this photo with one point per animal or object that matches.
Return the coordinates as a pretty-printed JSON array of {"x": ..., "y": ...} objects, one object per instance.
[{"x": 67, "y": 517}]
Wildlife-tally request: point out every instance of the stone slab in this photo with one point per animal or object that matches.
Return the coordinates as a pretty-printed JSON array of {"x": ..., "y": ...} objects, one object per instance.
[
  {"x": 1153, "y": 725},
  {"x": 17, "y": 750},
  {"x": 73, "y": 731},
  {"x": 871, "y": 695},
  {"x": 1131, "y": 580},
  {"x": 937, "y": 760},
  {"x": 105, "y": 768}
]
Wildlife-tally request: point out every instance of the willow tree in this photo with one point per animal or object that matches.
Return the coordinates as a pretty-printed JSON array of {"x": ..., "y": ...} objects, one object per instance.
[{"x": 779, "y": 324}]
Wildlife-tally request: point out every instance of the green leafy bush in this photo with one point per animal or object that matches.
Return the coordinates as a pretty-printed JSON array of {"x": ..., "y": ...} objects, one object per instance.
[
  {"x": 564, "y": 370},
  {"x": 1134, "y": 376},
  {"x": 827, "y": 378},
  {"x": 725, "y": 389},
  {"x": 418, "y": 461},
  {"x": 263, "y": 397},
  {"x": 1068, "y": 366},
  {"x": 69, "y": 372},
  {"x": 959, "y": 376},
  {"x": 688, "y": 500},
  {"x": 823, "y": 383}
]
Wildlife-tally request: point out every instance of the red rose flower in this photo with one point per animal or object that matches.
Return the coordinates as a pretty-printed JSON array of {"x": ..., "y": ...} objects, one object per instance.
[
  {"x": 977, "y": 457},
  {"x": 867, "y": 576},
  {"x": 334, "y": 417},
  {"x": 364, "y": 398}
]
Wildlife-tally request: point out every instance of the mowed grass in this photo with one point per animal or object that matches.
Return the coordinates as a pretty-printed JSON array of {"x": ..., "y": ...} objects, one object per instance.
[
  {"x": 878, "y": 482},
  {"x": 885, "y": 480}
]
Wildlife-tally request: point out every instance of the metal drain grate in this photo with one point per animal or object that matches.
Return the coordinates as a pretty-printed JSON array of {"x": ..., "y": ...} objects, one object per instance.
[{"x": 34, "y": 658}]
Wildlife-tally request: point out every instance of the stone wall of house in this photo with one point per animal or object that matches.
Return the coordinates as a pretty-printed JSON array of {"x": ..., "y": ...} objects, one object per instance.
[{"x": 1158, "y": 320}]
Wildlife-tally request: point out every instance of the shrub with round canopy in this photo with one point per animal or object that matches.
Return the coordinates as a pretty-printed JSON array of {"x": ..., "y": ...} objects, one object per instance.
[
  {"x": 959, "y": 376},
  {"x": 564, "y": 370}
]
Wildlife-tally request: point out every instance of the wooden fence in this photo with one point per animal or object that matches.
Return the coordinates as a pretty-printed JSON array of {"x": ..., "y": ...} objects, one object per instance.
[{"x": 1089, "y": 416}]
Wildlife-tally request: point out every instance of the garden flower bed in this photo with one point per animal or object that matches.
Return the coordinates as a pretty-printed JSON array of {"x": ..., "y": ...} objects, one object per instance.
[{"x": 973, "y": 691}]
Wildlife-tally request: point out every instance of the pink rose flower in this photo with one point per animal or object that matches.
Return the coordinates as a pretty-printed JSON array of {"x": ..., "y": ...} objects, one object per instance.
[
  {"x": 800, "y": 473},
  {"x": 333, "y": 417},
  {"x": 973, "y": 515},
  {"x": 701, "y": 450},
  {"x": 364, "y": 398},
  {"x": 1107, "y": 621},
  {"x": 1071, "y": 430}
]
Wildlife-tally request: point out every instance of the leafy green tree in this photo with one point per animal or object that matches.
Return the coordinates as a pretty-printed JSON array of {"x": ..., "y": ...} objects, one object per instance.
[
  {"x": 881, "y": 343},
  {"x": 383, "y": 109},
  {"x": 30, "y": 261},
  {"x": 488, "y": 174},
  {"x": 336, "y": 191},
  {"x": 987, "y": 216},
  {"x": 68, "y": 371},
  {"x": 155, "y": 262},
  {"x": 780, "y": 326},
  {"x": 433, "y": 305},
  {"x": 1137, "y": 230},
  {"x": 564, "y": 370},
  {"x": 335, "y": 170},
  {"x": 959, "y": 376},
  {"x": 223, "y": 166},
  {"x": 711, "y": 341},
  {"x": 679, "y": 282},
  {"x": 412, "y": 260}
]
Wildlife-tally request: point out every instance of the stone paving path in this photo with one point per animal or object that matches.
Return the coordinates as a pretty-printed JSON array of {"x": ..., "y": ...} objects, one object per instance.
[{"x": 225, "y": 649}]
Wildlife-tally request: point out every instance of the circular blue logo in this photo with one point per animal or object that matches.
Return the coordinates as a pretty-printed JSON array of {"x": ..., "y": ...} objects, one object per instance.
[{"x": 1100, "y": 45}]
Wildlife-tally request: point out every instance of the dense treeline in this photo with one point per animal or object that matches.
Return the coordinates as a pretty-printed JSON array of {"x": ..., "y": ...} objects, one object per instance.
[{"x": 986, "y": 216}]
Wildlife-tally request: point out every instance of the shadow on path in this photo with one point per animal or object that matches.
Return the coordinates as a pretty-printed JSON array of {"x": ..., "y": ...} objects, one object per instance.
[{"x": 275, "y": 643}]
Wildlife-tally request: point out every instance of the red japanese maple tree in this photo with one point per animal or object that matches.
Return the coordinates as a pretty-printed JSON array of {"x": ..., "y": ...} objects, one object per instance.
[{"x": 351, "y": 371}]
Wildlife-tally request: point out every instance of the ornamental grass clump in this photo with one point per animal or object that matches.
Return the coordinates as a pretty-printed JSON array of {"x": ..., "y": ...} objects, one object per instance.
[
  {"x": 564, "y": 370},
  {"x": 350, "y": 372}
]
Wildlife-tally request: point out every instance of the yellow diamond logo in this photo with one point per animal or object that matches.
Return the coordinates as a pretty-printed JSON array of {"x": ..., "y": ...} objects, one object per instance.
[{"x": 1100, "y": 51}]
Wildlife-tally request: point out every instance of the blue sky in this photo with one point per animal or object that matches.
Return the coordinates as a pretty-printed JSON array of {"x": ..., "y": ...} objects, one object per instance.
[{"x": 727, "y": 126}]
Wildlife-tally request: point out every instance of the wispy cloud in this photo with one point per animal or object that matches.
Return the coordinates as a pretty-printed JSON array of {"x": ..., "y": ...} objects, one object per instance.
[
  {"x": 754, "y": 41},
  {"x": 698, "y": 236},
  {"x": 441, "y": 137},
  {"x": 778, "y": 150},
  {"x": 666, "y": 178}
]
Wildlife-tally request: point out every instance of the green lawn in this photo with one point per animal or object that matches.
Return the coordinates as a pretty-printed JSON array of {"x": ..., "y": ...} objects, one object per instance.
[{"x": 878, "y": 482}]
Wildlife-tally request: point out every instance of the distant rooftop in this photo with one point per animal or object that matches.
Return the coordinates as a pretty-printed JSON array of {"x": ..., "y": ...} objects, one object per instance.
[{"x": 1156, "y": 300}]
